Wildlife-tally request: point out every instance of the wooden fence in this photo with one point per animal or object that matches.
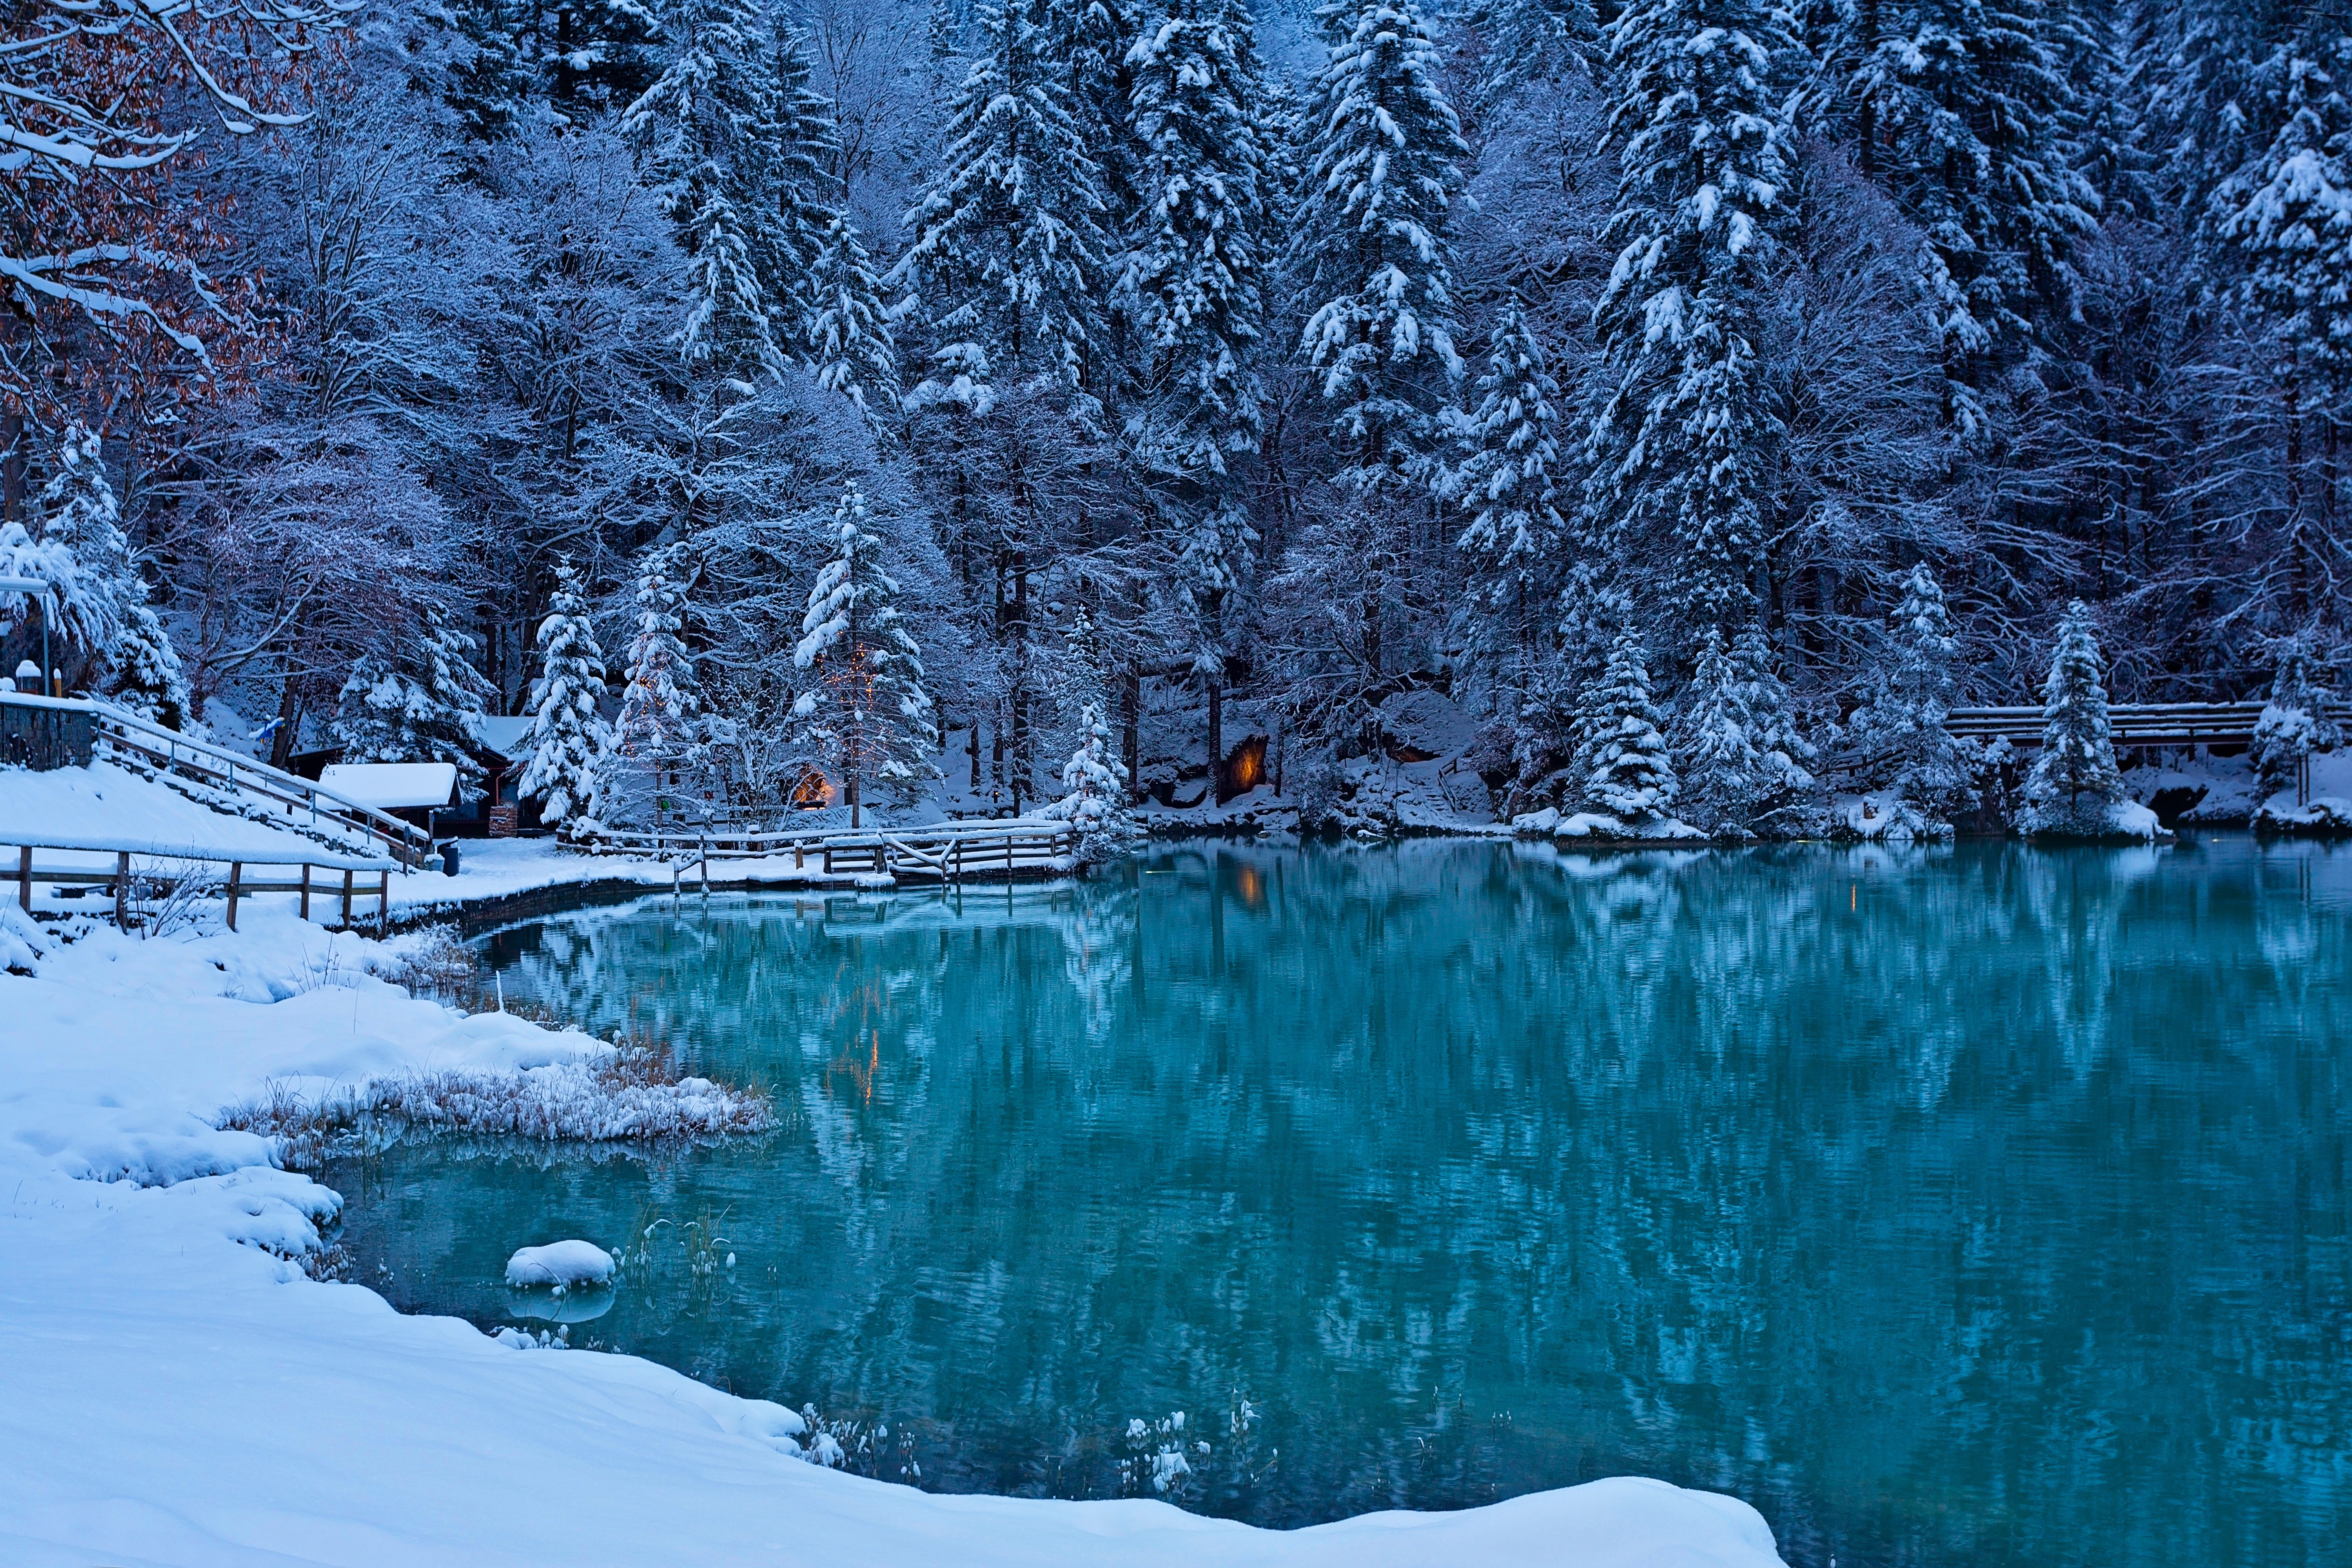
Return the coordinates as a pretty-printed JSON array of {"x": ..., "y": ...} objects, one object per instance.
[
  {"x": 238, "y": 885},
  {"x": 2131, "y": 723}
]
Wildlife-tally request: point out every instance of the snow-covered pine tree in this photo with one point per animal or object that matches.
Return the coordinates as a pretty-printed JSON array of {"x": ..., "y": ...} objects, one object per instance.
[
  {"x": 800, "y": 143},
  {"x": 492, "y": 87},
  {"x": 106, "y": 638},
  {"x": 568, "y": 737},
  {"x": 657, "y": 738},
  {"x": 1900, "y": 737},
  {"x": 2075, "y": 784},
  {"x": 415, "y": 699},
  {"x": 704, "y": 130},
  {"x": 1007, "y": 258},
  {"x": 1679, "y": 437},
  {"x": 1094, "y": 788},
  {"x": 1373, "y": 246},
  {"x": 1622, "y": 764},
  {"x": 1508, "y": 481},
  {"x": 1525, "y": 41},
  {"x": 596, "y": 52},
  {"x": 2298, "y": 720},
  {"x": 1715, "y": 750},
  {"x": 2289, "y": 216},
  {"x": 1962, "y": 108},
  {"x": 1194, "y": 288},
  {"x": 867, "y": 710},
  {"x": 1788, "y": 787},
  {"x": 849, "y": 336}
]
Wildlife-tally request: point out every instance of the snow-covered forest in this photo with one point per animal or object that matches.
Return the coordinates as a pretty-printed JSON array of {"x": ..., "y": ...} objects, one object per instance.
[{"x": 1701, "y": 396}]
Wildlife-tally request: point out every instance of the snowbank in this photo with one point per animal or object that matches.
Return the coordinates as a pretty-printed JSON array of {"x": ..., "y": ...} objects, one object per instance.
[
  {"x": 561, "y": 1264},
  {"x": 174, "y": 1388},
  {"x": 110, "y": 809},
  {"x": 1595, "y": 827}
]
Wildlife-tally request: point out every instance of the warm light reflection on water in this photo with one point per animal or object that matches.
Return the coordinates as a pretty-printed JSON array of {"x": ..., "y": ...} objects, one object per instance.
[{"x": 1971, "y": 1206}]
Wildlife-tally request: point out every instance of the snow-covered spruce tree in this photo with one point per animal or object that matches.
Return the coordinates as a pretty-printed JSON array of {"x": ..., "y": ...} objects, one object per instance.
[
  {"x": 705, "y": 130},
  {"x": 1899, "y": 736},
  {"x": 2298, "y": 719},
  {"x": 107, "y": 638},
  {"x": 1679, "y": 438},
  {"x": 1194, "y": 288},
  {"x": 2289, "y": 219},
  {"x": 849, "y": 336},
  {"x": 415, "y": 699},
  {"x": 1961, "y": 107},
  {"x": 1525, "y": 41},
  {"x": 1622, "y": 764},
  {"x": 1508, "y": 481},
  {"x": 2074, "y": 785},
  {"x": 1094, "y": 785},
  {"x": 1008, "y": 250},
  {"x": 1713, "y": 745},
  {"x": 1372, "y": 247},
  {"x": 657, "y": 739},
  {"x": 568, "y": 738},
  {"x": 867, "y": 712}
]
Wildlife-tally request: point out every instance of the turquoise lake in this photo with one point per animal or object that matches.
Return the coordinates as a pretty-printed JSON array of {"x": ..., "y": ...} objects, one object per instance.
[{"x": 1975, "y": 1205}]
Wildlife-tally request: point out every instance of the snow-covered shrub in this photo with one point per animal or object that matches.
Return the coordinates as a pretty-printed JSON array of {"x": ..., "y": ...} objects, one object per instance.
[{"x": 2294, "y": 723}]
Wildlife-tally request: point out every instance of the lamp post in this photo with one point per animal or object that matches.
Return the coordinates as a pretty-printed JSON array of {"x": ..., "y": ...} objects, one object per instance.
[{"x": 48, "y": 592}]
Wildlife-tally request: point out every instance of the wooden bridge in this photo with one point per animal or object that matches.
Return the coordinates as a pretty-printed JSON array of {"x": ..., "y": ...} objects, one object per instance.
[
  {"x": 2132, "y": 723},
  {"x": 998, "y": 850}
]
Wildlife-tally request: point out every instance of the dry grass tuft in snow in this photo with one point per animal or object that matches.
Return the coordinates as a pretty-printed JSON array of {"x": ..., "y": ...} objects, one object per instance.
[{"x": 633, "y": 1093}]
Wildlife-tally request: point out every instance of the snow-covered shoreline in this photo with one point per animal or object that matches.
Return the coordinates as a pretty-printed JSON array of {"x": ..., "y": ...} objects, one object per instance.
[{"x": 175, "y": 1389}]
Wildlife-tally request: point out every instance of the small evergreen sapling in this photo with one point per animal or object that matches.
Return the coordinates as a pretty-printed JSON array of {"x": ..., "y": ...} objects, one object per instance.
[
  {"x": 869, "y": 712},
  {"x": 568, "y": 738},
  {"x": 1900, "y": 734},
  {"x": 1622, "y": 762},
  {"x": 2074, "y": 785}
]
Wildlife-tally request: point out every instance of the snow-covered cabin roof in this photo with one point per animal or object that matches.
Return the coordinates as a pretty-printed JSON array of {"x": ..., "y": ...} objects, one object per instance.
[
  {"x": 391, "y": 786},
  {"x": 505, "y": 736}
]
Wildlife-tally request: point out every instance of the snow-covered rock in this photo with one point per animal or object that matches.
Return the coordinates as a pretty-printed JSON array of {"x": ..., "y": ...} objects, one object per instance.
[{"x": 560, "y": 1264}]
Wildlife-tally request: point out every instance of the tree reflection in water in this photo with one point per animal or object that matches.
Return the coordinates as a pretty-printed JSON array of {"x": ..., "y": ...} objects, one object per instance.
[{"x": 1974, "y": 1205}]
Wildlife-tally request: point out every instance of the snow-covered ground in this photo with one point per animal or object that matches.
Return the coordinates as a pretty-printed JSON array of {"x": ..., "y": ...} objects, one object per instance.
[{"x": 174, "y": 1389}]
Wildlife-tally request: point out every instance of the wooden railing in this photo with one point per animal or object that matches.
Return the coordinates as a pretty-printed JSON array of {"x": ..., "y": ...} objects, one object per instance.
[
  {"x": 947, "y": 851},
  {"x": 311, "y": 805},
  {"x": 2131, "y": 723},
  {"x": 237, "y": 885}
]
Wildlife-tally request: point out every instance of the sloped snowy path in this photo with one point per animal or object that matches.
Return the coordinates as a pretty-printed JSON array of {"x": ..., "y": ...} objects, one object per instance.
[{"x": 169, "y": 1397}]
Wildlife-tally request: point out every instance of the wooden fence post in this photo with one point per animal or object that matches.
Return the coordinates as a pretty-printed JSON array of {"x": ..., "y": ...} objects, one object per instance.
[
  {"x": 383, "y": 905},
  {"x": 235, "y": 886},
  {"x": 24, "y": 877},
  {"x": 121, "y": 889},
  {"x": 347, "y": 901},
  {"x": 306, "y": 890}
]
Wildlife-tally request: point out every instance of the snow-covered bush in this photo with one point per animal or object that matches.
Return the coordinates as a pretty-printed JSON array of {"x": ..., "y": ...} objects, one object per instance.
[{"x": 2295, "y": 723}]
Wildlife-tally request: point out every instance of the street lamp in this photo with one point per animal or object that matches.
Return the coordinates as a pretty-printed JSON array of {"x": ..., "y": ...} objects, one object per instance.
[{"x": 48, "y": 592}]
